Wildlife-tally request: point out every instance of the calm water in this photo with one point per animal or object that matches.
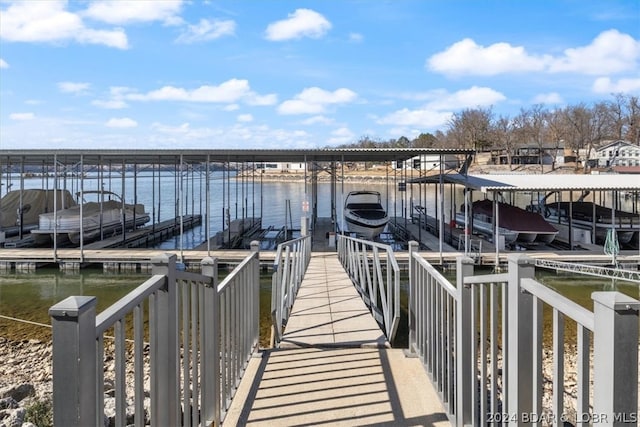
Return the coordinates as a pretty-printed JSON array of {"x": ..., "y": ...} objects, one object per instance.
[{"x": 29, "y": 296}]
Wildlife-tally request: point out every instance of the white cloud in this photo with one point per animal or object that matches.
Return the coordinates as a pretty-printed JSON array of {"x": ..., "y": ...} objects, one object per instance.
[
  {"x": 314, "y": 100},
  {"x": 111, "y": 104},
  {"x": 49, "y": 21},
  {"x": 605, "y": 85},
  {"x": 207, "y": 30},
  {"x": 356, "y": 37},
  {"x": 610, "y": 52},
  {"x": 22, "y": 116},
  {"x": 3, "y": 63},
  {"x": 231, "y": 91},
  {"x": 341, "y": 136},
  {"x": 181, "y": 129},
  {"x": 261, "y": 100},
  {"x": 467, "y": 98},
  {"x": 317, "y": 120},
  {"x": 130, "y": 11},
  {"x": 548, "y": 98},
  {"x": 301, "y": 23},
  {"x": 467, "y": 57},
  {"x": 439, "y": 107},
  {"x": 73, "y": 87},
  {"x": 122, "y": 123},
  {"x": 423, "y": 118},
  {"x": 245, "y": 118}
]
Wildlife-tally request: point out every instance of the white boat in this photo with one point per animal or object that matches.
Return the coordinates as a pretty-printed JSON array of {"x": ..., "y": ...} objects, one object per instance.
[
  {"x": 99, "y": 219},
  {"x": 587, "y": 216},
  {"x": 516, "y": 224},
  {"x": 19, "y": 209},
  {"x": 364, "y": 214}
]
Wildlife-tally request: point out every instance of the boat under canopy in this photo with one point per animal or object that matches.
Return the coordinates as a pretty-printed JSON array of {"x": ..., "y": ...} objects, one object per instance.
[
  {"x": 519, "y": 225},
  {"x": 364, "y": 214},
  {"x": 89, "y": 221}
]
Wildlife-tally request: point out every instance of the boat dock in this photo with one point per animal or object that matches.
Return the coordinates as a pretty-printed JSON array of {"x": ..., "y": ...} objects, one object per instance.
[{"x": 334, "y": 365}]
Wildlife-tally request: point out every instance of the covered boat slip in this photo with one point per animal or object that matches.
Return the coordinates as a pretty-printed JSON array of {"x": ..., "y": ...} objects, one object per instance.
[
  {"x": 605, "y": 195},
  {"x": 183, "y": 170}
]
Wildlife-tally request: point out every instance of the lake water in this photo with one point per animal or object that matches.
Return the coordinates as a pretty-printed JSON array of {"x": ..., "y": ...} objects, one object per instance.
[
  {"x": 29, "y": 297},
  {"x": 277, "y": 203}
]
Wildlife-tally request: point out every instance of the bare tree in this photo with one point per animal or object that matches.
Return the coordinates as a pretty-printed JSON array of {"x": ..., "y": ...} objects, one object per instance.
[
  {"x": 633, "y": 119},
  {"x": 472, "y": 128},
  {"x": 557, "y": 129},
  {"x": 504, "y": 132}
]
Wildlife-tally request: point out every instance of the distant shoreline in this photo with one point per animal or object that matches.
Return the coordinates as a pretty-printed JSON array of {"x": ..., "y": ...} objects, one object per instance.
[{"x": 381, "y": 176}]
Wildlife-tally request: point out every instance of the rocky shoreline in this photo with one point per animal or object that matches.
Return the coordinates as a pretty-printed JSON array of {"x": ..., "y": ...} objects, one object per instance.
[{"x": 25, "y": 381}]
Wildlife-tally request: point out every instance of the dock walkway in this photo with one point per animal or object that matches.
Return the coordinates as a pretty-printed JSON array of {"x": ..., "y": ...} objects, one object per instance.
[{"x": 334, "y": 366}]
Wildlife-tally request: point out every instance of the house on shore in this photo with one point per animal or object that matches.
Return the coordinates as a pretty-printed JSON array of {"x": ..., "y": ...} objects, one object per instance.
[{"x": 618, "y": 154}]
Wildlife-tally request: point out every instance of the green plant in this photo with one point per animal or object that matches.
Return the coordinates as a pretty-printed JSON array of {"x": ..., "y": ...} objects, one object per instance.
[{"x": 40, "y": 413}]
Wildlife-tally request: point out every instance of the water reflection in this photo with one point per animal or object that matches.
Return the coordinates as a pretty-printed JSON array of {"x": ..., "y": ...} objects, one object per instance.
[{"x": 29, "y": 296}]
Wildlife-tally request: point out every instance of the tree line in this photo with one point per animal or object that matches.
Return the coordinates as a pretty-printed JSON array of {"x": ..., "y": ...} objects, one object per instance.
[{"x": 580, "y": 128}]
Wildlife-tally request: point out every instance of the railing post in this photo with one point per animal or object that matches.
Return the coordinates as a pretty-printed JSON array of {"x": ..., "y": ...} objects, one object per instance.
[
  {"x": 211, "y": 346},
  {"x": 615, "y": 358},
  {"x": 74, "y": 362},
  {"x": 165, "y": 402},
  {"x": 519, "y": 356},
  {"x": 466, "y": 372},
  {"x": 413, "y": 247},
  {"x": 255, "y": 293}
]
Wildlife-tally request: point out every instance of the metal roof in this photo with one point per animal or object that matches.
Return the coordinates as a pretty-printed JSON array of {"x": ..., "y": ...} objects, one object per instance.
[
  {"x": 39, "y": 157},
  {"x": 533, "y": 182}
]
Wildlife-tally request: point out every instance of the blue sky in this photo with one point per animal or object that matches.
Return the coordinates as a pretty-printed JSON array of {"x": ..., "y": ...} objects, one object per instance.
[{"x": 305, "y": 74}]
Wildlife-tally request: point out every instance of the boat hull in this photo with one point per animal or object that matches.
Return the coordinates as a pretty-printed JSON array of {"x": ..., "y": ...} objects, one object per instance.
[
  {"x": 92, "y": 222},
  {"x": 364, "y": 214},
  {"x": 626, "y": 225},
  {"x": 517, "y": 225}
]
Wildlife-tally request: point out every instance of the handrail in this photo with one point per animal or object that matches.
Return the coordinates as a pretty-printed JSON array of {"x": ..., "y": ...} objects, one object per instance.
[
  {"x": 482, "y": 346},
  {"x": 376, "y": 277},
  {"x": 200, "y": 337},
  {"x": 290, "y": 264}
]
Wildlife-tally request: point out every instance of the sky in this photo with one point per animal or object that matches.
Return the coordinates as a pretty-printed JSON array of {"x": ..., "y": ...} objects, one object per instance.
[{"x": 262, "y": 74}]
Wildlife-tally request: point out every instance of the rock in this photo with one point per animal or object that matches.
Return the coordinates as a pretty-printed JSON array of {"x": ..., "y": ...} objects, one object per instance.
[
  {"x": 12, "y": 417},
  {"x": 18, "y": 392},
  {"x": 8, "y": 403}
]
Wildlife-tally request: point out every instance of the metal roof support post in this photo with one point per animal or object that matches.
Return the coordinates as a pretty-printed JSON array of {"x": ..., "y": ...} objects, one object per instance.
[
  {"x": 207, "y": 197},
  {"x": 82, "y": 210},
  {"x": 181, "y": 189},
  {"x": 496, "y": 240},
  {"x": 615, "y": 358},
  {"x": 441, "y": 227},
  {"x": 55, "y": 207}
]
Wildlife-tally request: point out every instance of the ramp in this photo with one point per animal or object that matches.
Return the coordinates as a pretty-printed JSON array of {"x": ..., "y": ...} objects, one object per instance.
[{"x": 334, "y": 366}]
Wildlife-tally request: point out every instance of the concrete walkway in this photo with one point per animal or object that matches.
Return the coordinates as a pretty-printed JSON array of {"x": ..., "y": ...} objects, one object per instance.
[{"x": 334, "y": 366}]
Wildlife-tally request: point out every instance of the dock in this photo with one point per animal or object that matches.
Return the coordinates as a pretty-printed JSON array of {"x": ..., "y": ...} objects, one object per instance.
[{"x": 334, "y": 366}]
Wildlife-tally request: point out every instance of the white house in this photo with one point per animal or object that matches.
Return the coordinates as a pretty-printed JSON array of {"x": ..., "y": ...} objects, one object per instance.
[
  {"x": 281, "y": 167},
  {"x": 618, "y": 153},
  {"x": 427, "y": 162}
]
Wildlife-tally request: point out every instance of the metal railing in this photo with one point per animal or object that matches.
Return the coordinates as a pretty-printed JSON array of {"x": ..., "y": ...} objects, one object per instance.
[
  {"x": 481, "y": 342},
  {"x": 376, "y": 276},
  {"x": 180, "y": 338},
  {"x": 289, "y": 266}
]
